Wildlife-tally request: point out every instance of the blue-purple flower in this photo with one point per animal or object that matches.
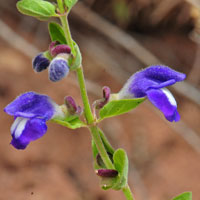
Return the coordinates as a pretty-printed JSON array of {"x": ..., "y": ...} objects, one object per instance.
[
  {"x": 58, "y": 68},
  {"x": 40, "y": 63},
  {"x": 31, "y": 111},
  {"x": 151, "y": 83}
]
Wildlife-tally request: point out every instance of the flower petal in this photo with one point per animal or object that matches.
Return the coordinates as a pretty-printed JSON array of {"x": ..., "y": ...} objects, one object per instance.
[
  {"x": 40, "y": 63},
  {"x": 58, "y": 69},
  {"x": 31, "y": 105},
  {"x": 165, "y": 102},
  {"x": 153, "y": 77},
  {"x": 26, "y": 130},
  {"x": 161, "y": 73}
]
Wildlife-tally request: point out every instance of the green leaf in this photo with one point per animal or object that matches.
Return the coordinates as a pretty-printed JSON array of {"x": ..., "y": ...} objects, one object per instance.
[
  {"x": 70, "y": 4},
  {"x": 121, "y": 165},
  {"x": 72, "y": 124},
  {"x": 184, "y": 196},
  {"x": 107, "y": 183},
  {"x": 77, "y": 60},
  {"x": 56, "y": 33},
  {"x": 36, "y": 8},
  {"x": 118, "y": 107}
]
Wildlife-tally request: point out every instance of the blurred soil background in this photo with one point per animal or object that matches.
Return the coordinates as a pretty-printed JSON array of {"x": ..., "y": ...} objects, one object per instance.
[{"x": 117, "y": 38}]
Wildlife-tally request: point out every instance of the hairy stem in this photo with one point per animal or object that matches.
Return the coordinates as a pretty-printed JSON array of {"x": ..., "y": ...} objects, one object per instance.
[
  {"x": 106, "y": 142},
  {"x": 87, "y": 109},
  {"x": 97, "y": 135},
  {"x": 127, "y": 192},
  {"x": 99, "y": 144},
  {"x": 67, "y": 32},
  {"x": 60, "y": 6}
]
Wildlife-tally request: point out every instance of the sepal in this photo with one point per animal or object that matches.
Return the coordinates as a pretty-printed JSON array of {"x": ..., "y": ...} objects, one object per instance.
[
  {"x": 72, "y": 123},
  {"x": 75, "y": 61},
  {"x": 121, "y": 165}
]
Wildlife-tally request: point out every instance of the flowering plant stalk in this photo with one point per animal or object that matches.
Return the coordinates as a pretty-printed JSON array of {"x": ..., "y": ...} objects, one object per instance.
[{"x": 32, "y": 110}]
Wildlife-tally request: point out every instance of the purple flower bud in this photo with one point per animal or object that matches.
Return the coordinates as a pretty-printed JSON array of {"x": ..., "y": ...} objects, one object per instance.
[
  {"x": 52, "y": 45},
  {"x": 55, "y": 48},
  {"x": 106, "y": 93},
  {"x": 62, "y": 48},
  {"x": 98, "y": 104},
  {"x": 58, "y": 69},
  {"x": 109, "y": 173},
  {"x": 40, "y": 63},
  {"x": 72, "y": 106}
]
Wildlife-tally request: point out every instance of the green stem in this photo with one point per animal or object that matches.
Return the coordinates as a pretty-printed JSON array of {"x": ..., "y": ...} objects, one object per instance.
[
  {"x": 97, "y": 134},
  {"x": 87, "y": 109},
  {"x": 127, "y": 192},
  {"x": 106, "y": 142},
  {"x": 60, "y": 6},
  {"x": 99, "y": 144},
  {"x": 67, "y": 32}
]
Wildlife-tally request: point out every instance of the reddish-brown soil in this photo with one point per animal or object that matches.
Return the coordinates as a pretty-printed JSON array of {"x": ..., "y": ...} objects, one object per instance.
[{"x": 59, "y": 165}]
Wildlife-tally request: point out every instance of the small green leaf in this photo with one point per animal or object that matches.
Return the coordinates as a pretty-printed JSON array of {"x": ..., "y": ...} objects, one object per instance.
[
  {"x": 70, "y": 4},
  {"x": 77, "y": 60},
  {"x": 118, "y": 107},
  {"x": 121, "y": 165},
  {"x": 107, "y": 183},
  {"x": 184, "y": 196},
  {"x": 56, "y": 33},
  {"x": 73, "y": 124},
  {"x": 36, "y": 8}
]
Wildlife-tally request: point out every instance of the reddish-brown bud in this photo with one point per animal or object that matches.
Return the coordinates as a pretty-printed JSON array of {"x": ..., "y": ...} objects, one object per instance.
[{"x": 109, "y": 173}]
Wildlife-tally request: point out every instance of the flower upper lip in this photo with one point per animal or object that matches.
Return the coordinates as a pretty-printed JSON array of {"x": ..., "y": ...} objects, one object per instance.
[{"x": 31, "y": 105}]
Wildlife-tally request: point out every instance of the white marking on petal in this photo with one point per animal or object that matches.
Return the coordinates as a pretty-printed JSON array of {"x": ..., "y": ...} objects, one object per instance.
[
  {"x": 15, "y": 124},
  {"x": 169, "y": 96},
  {"x": 18, "y": 126}
]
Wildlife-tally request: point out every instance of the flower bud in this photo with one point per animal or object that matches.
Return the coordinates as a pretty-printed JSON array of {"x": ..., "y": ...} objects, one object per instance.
[
  {"x": 62, "y": 48},
  {"x": 58, "y": 69},
  {"x": 72, "y": 107},
  {"x": 109, "y": 173},
  {"x": 98, "y": 104},
  {"x": 40, "y": 63},
  {"x": 55, "y": 48}
]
